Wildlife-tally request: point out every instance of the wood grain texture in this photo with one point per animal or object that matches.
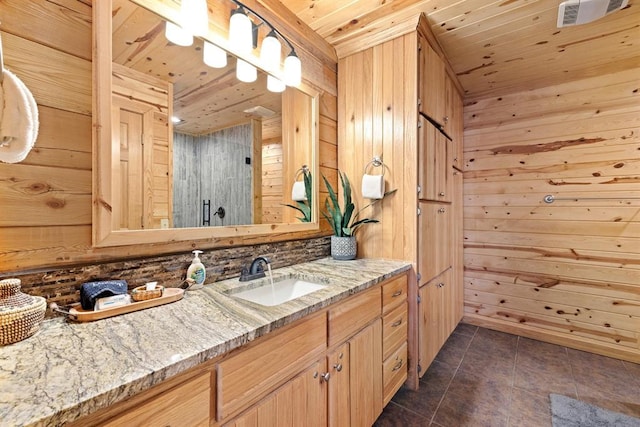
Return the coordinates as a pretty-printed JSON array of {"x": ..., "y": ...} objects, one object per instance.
[
  {"x": 566, "y": 272},
  {"x": 47, "y": 45},
  {"x": 494, "y": 47}
]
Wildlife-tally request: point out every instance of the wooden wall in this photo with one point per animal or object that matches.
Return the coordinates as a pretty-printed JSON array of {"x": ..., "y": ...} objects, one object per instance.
[
  {"x": 566, "y": 272},
  {"x": 272, "y": 170},
  {"x": 46, "y": 200},
  {"x": 378, "y": 117}
]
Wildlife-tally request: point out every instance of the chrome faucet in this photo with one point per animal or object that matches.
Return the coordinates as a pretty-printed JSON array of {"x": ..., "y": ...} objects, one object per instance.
[{"x": 255, "y": 270}]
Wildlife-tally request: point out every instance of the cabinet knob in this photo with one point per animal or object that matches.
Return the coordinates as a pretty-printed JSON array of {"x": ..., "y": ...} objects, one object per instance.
[
  {"x": 441, "y": 285},
  {"x": 441, "y": 210},
  {"x": 441, "y": 194},
  {"x": 396, "y": 323},
  {"x": 325, "y": 377},
  {"x": 396, "y": 294},
  {"x": 446, "y": 119},
  {"x": 337, "y": 367}
]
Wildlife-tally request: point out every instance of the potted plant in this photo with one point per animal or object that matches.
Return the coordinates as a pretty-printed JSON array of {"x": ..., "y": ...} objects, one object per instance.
[
  {"x": 304, "y": 206},
  {"x": 344, "y": 222}
]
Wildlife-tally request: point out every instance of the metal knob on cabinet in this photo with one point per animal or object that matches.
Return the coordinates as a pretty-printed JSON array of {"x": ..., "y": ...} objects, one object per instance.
[
  {"x": 441, "y": 210},
  {"x": 337, "y": 367},
  {"x": 398, "y": 365},
  {"x": 396, "y": 323},
  {"x": 446, "y": 119},
  {"x": 441, "y": 285},
  {"x": 325, "y": 377},
  {"x": 441, "y": 194}
]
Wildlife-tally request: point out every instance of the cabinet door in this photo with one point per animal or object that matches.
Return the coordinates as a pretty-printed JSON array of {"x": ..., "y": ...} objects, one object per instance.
[
  {"x": 300, "y": 402},
  {"x": 355, "y": 391},
  {"x": 431, "y": 82},
  {"x": 365, "y": 375},
  {"x": 338, "y": 400},
  {"x": 436, "y": 318},
  {"x": 454, "y": 124},
  {"x": 433, "y": 164},
  {"x": 434, "y": 239}
]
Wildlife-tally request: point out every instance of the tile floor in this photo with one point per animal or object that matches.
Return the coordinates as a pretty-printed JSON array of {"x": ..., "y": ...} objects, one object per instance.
[{"x": 487, "y": 378}]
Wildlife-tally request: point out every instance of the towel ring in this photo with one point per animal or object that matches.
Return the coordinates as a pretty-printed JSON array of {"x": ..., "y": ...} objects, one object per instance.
[
  {"x": 303, "y": 170},
  {"x": 376, "y": 162}
]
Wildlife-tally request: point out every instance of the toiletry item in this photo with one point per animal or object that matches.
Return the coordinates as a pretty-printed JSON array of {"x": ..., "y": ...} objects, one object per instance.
[
  {"x": 298, "y": 192},
  {"x": 91, "y": 291},
  {"x": 150, "y": 286},
  {"x": 112, "y": 301},
  {"x": 196, "y": 271}
]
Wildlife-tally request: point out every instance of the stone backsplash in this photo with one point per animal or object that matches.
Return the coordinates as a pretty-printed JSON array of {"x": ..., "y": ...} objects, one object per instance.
[{"x": 63, "y": 285}]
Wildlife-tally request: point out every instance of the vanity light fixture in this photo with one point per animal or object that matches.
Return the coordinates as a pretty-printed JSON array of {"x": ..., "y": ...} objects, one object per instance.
[
  {"x": 242, "y": 33},
  {"x": 274, "y": 84},
  {"x": 176, "y": 35},
  {"x": 194, "y": 21},
  {"x": 246, "y": 72},
  {"x": 213, "y": 56}
]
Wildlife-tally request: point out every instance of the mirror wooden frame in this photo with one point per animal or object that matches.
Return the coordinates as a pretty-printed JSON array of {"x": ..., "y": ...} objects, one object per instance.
[{"x": 105, "y": 223}]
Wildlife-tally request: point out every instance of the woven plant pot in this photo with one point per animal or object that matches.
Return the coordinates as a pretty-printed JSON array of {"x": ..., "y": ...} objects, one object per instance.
[
  {"x": 20, "y": 314},
  {"x": 343, "y": 248}
]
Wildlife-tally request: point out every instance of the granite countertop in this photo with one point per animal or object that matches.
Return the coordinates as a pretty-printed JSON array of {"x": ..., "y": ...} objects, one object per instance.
[{"x": 68, "y": 370}]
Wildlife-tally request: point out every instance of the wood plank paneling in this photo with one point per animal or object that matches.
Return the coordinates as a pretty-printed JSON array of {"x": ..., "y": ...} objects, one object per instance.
[
  {"x": 566, "y": 272},
  {"x": 48, "y": 45}
]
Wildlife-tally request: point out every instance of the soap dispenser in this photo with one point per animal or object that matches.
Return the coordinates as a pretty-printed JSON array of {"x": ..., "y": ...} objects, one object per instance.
[{"x": 196, "y": 271}]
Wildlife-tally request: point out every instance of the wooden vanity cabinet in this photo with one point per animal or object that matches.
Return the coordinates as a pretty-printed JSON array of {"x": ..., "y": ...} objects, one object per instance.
[
  {"x": 187, "y": 399},
  {"x": 395, "y": 323},
  {"x": 438, "y": 317},
  {"x": 431, "y": 85}
]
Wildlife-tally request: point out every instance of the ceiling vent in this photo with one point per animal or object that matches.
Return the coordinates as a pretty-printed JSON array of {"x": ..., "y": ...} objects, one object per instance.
[{"x": 576, "y": 12}]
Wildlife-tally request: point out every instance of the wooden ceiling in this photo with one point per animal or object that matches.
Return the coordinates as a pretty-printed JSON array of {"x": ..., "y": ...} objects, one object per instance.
[
  {"x": 494, "y": 47},
  {"x": 205, "y": 98}
]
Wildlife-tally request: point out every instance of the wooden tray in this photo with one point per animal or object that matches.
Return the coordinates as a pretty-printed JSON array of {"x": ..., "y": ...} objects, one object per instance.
[{"x": 77, "y": 313}]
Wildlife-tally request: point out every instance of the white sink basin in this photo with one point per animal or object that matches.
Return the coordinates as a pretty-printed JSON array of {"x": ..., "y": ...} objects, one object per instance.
[{"x": 281, "y": 292}]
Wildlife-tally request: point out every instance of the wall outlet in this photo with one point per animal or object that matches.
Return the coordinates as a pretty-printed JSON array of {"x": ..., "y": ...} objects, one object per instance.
[{"x": 164, "y": 223}]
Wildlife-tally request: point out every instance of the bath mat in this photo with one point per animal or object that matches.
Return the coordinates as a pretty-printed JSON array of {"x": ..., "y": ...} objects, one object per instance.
[{"x": 568, "y": 412}]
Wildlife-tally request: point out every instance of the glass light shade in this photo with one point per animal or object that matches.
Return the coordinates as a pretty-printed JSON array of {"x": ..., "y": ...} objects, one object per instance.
[
  {"x": 241, "y": 31},
  {"x": 275, "y": 85},
  {"x": 176, "y": 35},
  {"x": 292, "y": 70},
  {"x": 246, "y": 72},
  {"x": 270, "y": 52},
  {"x": 213, "y": 56},
  {"x": 195, "y": 16}
]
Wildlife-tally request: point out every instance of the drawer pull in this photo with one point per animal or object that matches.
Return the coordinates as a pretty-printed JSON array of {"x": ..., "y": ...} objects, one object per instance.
[
  {"x": 325, "y": 377},
  {"x": 398, "y": 365},
  {"x": 338, "y": 367},
  {"x": 397, "y": 293},
  {"x": 396, "y": 323},
  {"x": 441, "y": 194},
  {"x": 441, "y": 210}
]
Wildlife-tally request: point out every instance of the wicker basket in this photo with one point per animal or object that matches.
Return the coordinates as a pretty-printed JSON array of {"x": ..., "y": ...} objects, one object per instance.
[
  {"x": 142, "y": 294},
  {"x": 20, "y": 314}
]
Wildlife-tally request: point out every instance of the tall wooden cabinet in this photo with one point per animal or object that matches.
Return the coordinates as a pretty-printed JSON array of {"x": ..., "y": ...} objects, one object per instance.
[{"x": 401, "y": 101}]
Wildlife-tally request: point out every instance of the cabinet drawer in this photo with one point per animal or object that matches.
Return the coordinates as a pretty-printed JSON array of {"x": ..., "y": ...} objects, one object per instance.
[
  {"x": 352, "y": 315},
  {"x": 394, "y": 330},
  {"x": 187, "y": 404},
  {"x": 394, "y": 372},
  {"x": 394, "y": 293},
  {"x": 252, "y": 373}
]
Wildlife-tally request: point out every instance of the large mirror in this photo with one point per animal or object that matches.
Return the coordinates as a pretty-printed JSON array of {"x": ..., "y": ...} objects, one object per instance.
[{"x": 191, "y": 146}]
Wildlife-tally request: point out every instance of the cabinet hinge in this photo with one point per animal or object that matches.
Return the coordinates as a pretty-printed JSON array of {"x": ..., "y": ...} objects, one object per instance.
[
  {"x": 418, "y": 277},
  {"x": 419, "y": 102},
  {"x": 419, "y": 368},
  {"x": 419, "y": 212},
  {"x": 419, "y": 299},
  {"x": 419, "y": 189},
  {"x": 419, "y": 124}
]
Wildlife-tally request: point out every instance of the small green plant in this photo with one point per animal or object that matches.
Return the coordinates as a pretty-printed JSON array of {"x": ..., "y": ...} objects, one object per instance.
[
  {"x": 304, "y": 206},
  {"x": 343, "y": 222}
]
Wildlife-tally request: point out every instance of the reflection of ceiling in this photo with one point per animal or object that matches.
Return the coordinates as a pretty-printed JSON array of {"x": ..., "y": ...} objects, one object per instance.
[
  {"x": 205, "y": 98},
  {"x": 494, "y": 46}
]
